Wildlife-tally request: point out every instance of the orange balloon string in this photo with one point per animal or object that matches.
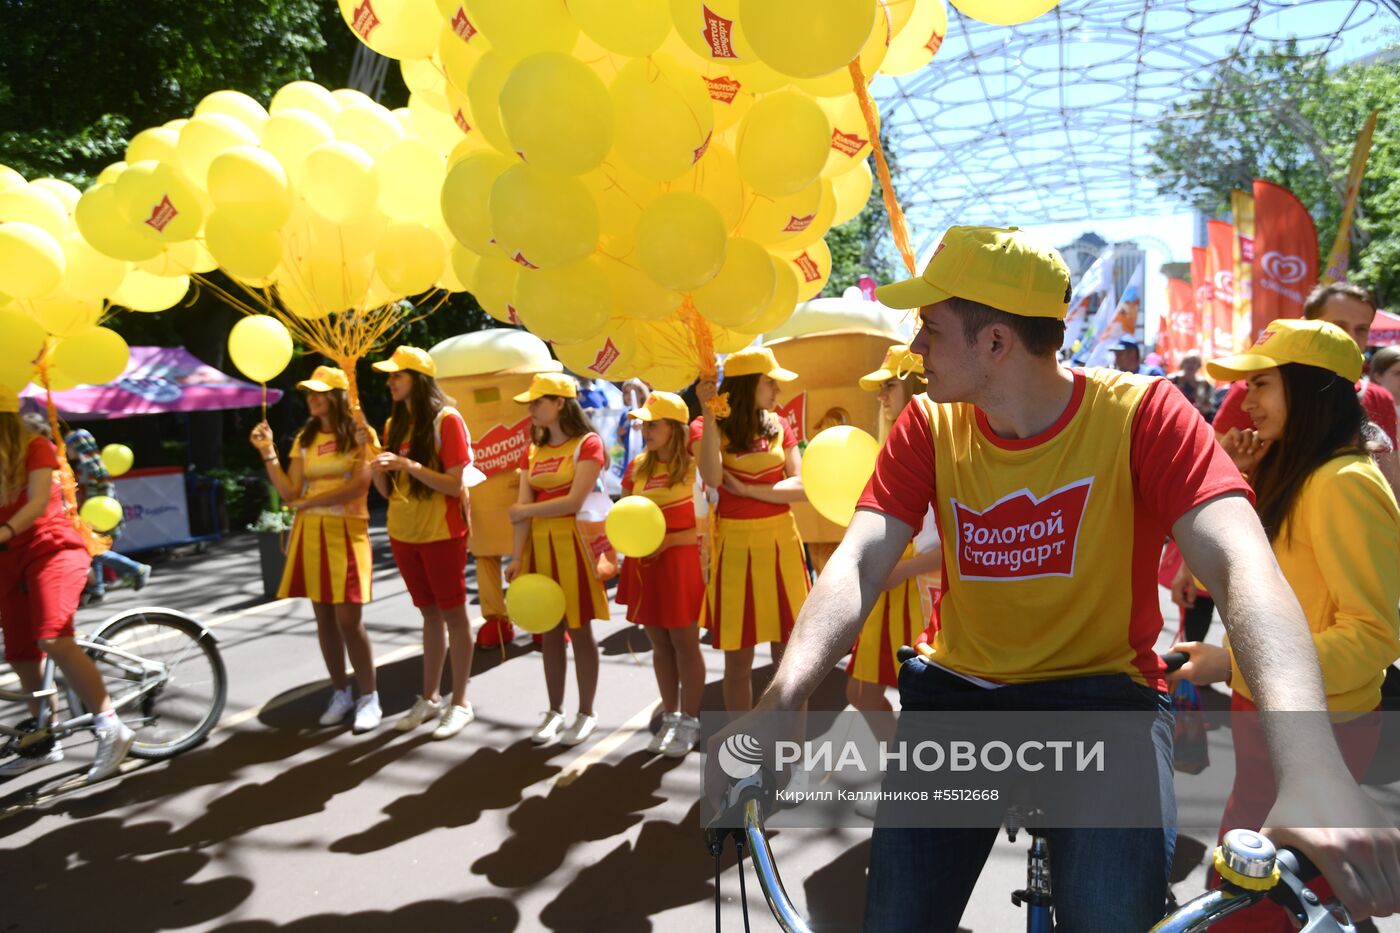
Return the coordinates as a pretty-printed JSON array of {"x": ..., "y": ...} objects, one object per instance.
[
  {"x": 898, "y": 225},
  {"x": 704, "y": 353}
]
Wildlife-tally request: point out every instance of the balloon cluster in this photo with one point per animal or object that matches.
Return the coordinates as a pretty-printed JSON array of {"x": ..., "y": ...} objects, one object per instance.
[{"x": 639, "y": 181}]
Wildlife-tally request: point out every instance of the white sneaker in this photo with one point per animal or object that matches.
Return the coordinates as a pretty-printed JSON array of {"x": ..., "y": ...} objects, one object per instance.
[
  {"x": 683, "y": 739},
  {"x": 22, "y": 765},
  {"x": 368, "y": 715},
  {"x": 423, "y": 710},
  {"x": 549, "y": 728},
  {"x": 112, "y": 745},
  {"x": 339, "y": 709},
  {"x": 581, "y": 729},
  {"x": 453, "y": 721},
  {"x": 669, "y": 721}
]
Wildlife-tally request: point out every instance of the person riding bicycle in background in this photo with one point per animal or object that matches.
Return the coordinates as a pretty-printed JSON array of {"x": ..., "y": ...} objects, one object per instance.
[
  {"x": 1006, "y": 435},
  {"x": 94, "y": 480},
  {"x": 43, "y": 569},
  {"x": 1335, "y": 530}
]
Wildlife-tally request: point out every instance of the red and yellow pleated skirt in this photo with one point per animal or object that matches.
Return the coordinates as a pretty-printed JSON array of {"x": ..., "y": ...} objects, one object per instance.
[
  {"x": 664, "y": 590},
  {"x": 328, "y": 560},
  {"x": 897, "y": 619},
  {"x": 758, "y": 581},
  {"x": 556, "y": 549}
]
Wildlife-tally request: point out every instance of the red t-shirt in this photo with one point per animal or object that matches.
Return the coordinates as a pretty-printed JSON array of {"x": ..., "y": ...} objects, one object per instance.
[
  {"x": 1051, "y": 543},
  {"x": 54, "y": 530},
  {"x": 1377, "y": 400},
  {"x": 764, "y": 463}
]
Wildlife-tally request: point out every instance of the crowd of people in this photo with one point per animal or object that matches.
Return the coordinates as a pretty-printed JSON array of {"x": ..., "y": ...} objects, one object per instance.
[{"x": 1278, "y": 498}]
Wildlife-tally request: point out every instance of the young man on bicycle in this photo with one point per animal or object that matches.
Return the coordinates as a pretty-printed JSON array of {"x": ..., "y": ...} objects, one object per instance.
[{"x": 1097, "y": 467}]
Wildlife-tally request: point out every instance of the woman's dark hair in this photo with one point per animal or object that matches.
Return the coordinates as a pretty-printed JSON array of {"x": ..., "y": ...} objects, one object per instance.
[
  {"x": 414, "y": 421},
  {"x": 342, "y": 424},
  {"x": 745, "y": 423},
  {"x": 572, "y": 422},
  {"x": 1325, "y": 420}
]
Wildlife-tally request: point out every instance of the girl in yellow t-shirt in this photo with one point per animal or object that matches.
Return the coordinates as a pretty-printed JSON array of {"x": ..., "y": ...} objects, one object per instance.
[
  {"x": 328, "y": 556},
  {"x": 1335, "y": 530},
  {"x": 564, "y": 463}
]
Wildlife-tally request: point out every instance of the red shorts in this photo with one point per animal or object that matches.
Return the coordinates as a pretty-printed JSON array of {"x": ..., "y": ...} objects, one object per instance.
[
  {"x": 38, "y": 601},
  {"x": 664, "y": 590},
  {"x": 435, "y": 572}
]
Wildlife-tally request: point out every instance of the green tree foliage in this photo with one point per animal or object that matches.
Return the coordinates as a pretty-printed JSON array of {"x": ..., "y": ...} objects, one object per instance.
[{"x": 1283, "y": 116}]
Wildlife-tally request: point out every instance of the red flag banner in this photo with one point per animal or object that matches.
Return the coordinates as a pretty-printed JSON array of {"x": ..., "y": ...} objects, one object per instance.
[
  {"x": 1201, "y": 291},
  {"x": 1220, "y": 268},
  {"x": 1183, "y": 324},
  {"x": 1285, "y": 254}
]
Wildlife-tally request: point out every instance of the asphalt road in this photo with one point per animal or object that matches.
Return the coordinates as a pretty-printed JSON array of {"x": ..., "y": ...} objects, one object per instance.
[{"x": 277, "y": 824}]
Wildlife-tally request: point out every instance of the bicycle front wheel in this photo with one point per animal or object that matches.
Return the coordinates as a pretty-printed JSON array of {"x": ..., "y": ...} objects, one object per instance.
[{"x": 166, "y": 679}]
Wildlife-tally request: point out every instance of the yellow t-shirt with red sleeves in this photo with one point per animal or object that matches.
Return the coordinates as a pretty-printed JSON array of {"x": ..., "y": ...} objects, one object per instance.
[
  {"x": 434, "y": 517},
  {"x": 764, "y": 463},
  {"x": 325, "y": 468},
  {"x": 551, "y": 468},
  {"x": 677, "y": 501},
  {"x": 1340, "y": 552},
  {"x": 1051, "y": 543}
]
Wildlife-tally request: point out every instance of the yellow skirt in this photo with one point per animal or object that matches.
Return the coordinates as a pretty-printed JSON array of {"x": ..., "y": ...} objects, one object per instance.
[
  {"x": 328, "y": 560},
  {"x": 556, "y": 549},
  {"x": 898, "y": 619},
  {"x": 758, "y": 581}
]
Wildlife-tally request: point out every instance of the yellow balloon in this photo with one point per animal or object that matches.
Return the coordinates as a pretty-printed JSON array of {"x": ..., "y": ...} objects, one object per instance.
[
  {"x": 326, "y": 285},
  {"x": 141, "y": 291},
  {"x": 464, "y": 263},
  {"x": 290, "y": 134},
  {"x": 836, "y": 465},
  {"x": 66, "y": 193},
  {"x": 159, "y": 202},
  {"x": 621, "y": 195},
  {"x": 680, "y": 241},
  {"x": 88, "y": 273},
  {"x": 542, "y": 220},
  {"x": 260, "y": 347},
  {"x": 411, "y": 175},
  {"x": 204, "y": 137},
  {"x": 179, "y": 259},
  {"x": 522, "y": 27},
  {"x": 340, "y": 181},
  {"x": 111, "y": 173},
  {"x": 1005, "y": 12},
  {"x": 15, "y": 374},
  {"x": 914, "y": 46},
  {"x": 466, "y": 192},
  {"x": 611, "y": 354},
  {"x": 730, "y": 341},
  {"x": 635, "y": 526},
  {"x": 636, "y": 297},
  {"x": 102, "y": 513},
  {"x": 872, "y": 55},
  {"x": 783, "y": 143},
  {"x": 781, "y": 304},
  {"x": 850, "y": 139},
  {"x": 410, "y": 258},
  {"x": 95, "y": 356},
  {"x": 33, "y": 205},
  {"x": 305, "y": 95},
  {"x": 535, "y": 603},
  {"x": 813, "y": 268},
  {"x": 100, "y": 220},
  {"x": 24, "y": 338},
  {"x": 9, "y": 178},
  {"x": 634, "y": 28},
  {"x": 371, "y": 127},
  {"x": 235, "y": 104},
  {"x": 249, "y": 186},
  {"x": 899, "y": 12},
  {"x": 817, "y": 229},
  {"x": 566, "y": 304},
  {"x": 493, "y": 286},
  {"x": 460, "y": 46},
  {"x": 248, "y": 254},
  {"x": 483, "y": 95},
  {"x": 62, "y": 314},
  {"x": 556, "y": 113},
  {"x": 806, "y": 38},
  {"x": 31, "y": 261},
  {"x": 712, "y": 29},
  {"x": 742, "y": 288},
  {"x": 118, "y": 459},
  {"x": 664, "y": 116},
  {"x": 394, "y": 28},
  {"x": 669, "y": 377},
  {"x": 774, "y": 220},
  {"x": 851, "y": 191},
  {"x": 716, "y": 178}
]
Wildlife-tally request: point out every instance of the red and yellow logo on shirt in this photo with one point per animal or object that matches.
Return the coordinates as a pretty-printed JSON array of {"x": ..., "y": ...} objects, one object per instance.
[{"x": 1022, "y": 537}]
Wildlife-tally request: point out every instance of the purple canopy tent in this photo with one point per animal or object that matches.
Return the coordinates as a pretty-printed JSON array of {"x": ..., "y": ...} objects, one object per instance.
[{"x": 155, "y": 381}]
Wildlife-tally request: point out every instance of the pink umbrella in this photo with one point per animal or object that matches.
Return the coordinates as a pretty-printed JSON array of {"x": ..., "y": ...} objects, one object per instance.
[{"x": 1385, "y": 329}]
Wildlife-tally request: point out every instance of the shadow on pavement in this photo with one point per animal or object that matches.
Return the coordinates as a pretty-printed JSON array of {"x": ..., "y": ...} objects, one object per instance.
[{"x": 478, "y": 915}]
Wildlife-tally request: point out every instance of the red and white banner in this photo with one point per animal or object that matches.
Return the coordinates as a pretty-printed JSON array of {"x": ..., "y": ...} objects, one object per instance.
[
  {"x": 504, "y": 448},
  {"x": 1220, "y": 273},
  {"x": 1201, "y": 291},
  {"x": 1180, "y": 331},
  {"x": 1285, "y": 254},
  {"x": 795, "y": 411}
]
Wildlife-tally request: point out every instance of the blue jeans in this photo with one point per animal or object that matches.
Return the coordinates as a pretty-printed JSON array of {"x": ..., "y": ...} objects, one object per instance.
[
  {"x": 1103, "y": 880},
  {"x": 125, "y": 567}
]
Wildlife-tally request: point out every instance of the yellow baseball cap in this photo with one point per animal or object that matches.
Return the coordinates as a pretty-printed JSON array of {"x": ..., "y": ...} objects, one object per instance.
[
  {"x": 549, "y": 384},
  {"x": 756, "y": 361},
  {"x": 899, "y": 362},
  {"x": 9, "y": 400},
  {"x": 1312, "y": 343},
  {"x": 660, "y": 405},
  {"x": 1000, "y": 267},
  {"x": 408, "y": 358},
  {"x": 324, "y": 379}
]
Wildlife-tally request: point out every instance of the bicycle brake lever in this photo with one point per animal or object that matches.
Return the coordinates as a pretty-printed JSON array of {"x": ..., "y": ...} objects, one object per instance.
[
  {"x": 1293, "y": 895},
  {"x": 730, "y": 818}
]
